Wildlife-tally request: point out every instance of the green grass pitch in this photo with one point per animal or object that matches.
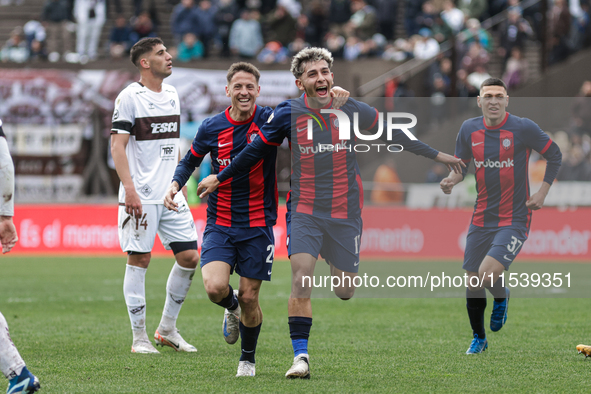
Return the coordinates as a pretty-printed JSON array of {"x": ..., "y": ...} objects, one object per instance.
[{"x": 68, "y": 319}]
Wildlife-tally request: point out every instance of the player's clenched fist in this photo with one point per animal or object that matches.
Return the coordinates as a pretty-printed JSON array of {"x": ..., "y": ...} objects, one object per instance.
[
  {"x": 169, "y": 203},
  {"x": 536, "y": 201},
  {"x": 446, "y": 185}
]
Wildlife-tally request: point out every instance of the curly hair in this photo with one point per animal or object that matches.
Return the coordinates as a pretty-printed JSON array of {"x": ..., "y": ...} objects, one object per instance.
[{"x": 307, "y": 55}]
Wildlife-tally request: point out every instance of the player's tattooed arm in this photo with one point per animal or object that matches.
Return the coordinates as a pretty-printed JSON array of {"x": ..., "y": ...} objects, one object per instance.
[
  {"x": 133, "y": 203},
  {"x": 340, "y": 96}
]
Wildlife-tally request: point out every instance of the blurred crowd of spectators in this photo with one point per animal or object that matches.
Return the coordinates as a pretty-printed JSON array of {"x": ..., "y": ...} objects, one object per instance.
[{"x": 272, "y": 30}]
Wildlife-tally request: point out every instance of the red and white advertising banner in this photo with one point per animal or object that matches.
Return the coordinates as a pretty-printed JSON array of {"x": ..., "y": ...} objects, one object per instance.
[{"x": 388, "y": 233}]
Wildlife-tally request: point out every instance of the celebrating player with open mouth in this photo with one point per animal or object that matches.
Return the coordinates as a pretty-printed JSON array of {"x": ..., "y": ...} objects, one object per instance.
[
  {"x": 324, "y": 207},
  {"x": 500, "y": 144},
  {"x": 240, "y": 214}
]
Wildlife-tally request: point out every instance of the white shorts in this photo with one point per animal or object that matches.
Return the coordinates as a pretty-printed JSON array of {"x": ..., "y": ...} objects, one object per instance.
[{"x": 138, "y": 235}]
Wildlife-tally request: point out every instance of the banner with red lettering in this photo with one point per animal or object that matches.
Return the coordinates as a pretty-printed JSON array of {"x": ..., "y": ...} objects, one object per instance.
[{"x": 388, "y": 233}]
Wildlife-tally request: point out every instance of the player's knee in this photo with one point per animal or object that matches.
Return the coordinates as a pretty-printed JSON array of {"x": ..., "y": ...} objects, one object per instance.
[
  {"x": 485, "y": 280},
  {"x": 487, "y": 283},
  {"x": 188, "y": 259},
  {"x": 344, "y": 293},
  {"x": 215, "y": 290},
  {"x": 248, "y": 299},
  {"x": 302, "y": 279},
  {"x": 139, "y": 259}
]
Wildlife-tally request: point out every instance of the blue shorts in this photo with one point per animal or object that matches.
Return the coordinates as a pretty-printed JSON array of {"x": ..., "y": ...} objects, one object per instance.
[
  {"x": 249, "y": 251},
  {"x": 501, "y": 243},
  {"x": 337, "y": 240}
]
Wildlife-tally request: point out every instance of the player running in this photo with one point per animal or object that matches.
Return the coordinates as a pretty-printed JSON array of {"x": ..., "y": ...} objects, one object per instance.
[
  {"x": 12, "y": 365},
  {"x": 324, "y": 207},
  {"x": 500, "y": 144},
  {"x": 240, "y": 214},
  {"x": 145, "y": 148}
]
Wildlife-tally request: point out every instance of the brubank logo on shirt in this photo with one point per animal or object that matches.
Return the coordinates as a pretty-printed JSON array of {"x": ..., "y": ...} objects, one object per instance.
[
  {"x": 494, "y": 164},
  {"x": 343, "y": 123}
]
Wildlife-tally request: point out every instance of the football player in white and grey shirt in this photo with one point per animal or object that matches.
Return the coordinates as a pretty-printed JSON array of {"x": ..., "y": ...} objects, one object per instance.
[{"x": 145, "y": 149}]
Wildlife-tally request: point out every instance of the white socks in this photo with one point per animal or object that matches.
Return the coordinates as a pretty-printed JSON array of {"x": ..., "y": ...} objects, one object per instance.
[
  {"x": 11, "y": 362},
  {"x": 134, "y": 290},
  {"x": 177, "y": 287}
]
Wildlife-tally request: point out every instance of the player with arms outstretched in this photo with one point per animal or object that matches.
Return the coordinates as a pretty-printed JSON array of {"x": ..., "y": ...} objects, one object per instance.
[
  {"x": 11, "y": 362},
  {"x": 240, "y": 214},
  {"x": 324, "y": 207},
  {"x": 500, "y": 144},
  {"x": 145, "y": 148}
]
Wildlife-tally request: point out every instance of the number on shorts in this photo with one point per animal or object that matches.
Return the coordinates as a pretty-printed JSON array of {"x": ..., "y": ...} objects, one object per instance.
[
  {"x": 141, "y": 222},
  {"x": 356, "y": 240},
  {"x": 515, "y": 244},
  {"x": 271, "y": 249}
]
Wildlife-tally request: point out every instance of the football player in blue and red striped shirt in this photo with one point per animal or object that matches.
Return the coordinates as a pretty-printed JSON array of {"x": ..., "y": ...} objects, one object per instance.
[
  {"x": 240, "y": 214},
  {"x": 324, "y": 208},
  {"x": 500, "y": 145}
]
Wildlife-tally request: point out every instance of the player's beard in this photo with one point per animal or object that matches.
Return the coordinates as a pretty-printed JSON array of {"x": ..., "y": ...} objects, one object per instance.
[{"x": 164, "y": 73}]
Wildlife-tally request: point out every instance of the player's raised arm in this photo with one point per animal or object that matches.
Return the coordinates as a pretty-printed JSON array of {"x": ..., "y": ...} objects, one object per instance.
[{"x": 369, "y": 121}]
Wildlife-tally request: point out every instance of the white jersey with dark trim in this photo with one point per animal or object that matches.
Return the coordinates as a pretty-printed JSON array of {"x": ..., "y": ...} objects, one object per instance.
[{"x": 152, "y": 121}]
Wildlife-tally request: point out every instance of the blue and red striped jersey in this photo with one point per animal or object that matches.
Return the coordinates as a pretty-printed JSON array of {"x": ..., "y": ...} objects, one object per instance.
[
  {"x": 325, "y": 178},
  {"x": 501, "y": 155},
  {"x": 248, "y": 199}
]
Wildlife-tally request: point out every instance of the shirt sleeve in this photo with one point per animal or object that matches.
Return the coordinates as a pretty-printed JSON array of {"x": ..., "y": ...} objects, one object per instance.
[
  {"x": 369, "y": 120},
  {"x": 123, "y": 114},
  {"x": 463, "y": 149},
  {"x": 278, "y": 125},
  {"x": 270, "y": 137},
  {"x": 194, "y": 157},
  {"x": 541, "y": 142}
]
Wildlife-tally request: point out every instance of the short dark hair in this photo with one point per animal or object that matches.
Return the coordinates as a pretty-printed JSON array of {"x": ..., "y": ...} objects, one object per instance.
[
  {"x": 142, "y": 47},
  {"x": 493, "y": 82},
  {"x": 242, "y": 66}
]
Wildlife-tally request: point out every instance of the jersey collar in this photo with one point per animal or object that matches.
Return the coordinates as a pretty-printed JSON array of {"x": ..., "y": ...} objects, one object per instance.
[
  {"x": 498, "y": 126},
  {"x": 316, "y": 109},
  {"x": 236, "y": 123}
]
